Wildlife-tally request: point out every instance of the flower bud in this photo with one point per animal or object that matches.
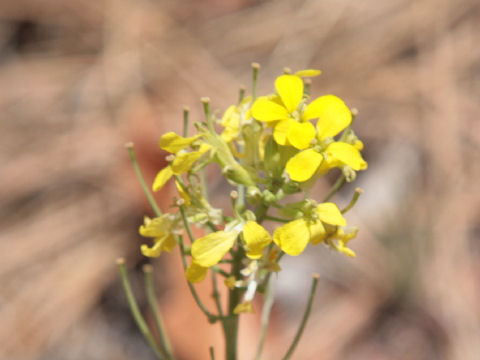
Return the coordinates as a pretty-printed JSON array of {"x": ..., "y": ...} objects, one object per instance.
[
  {"x": 349, "y": 173},
  {"x": 268, "y": 197},
  {"x": 254, "y": 196}
]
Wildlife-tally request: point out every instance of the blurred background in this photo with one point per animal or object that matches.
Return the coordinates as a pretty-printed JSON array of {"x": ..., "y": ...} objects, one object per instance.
[{"x": 80, "y": 78}]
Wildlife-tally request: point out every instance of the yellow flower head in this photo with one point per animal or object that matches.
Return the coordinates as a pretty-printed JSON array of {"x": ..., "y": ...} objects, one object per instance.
[
  {"x": 294, "y": 236},
  {"x": 285, "y": 113},
  {"x": 183, "y": 160},
  {"x": 161, "y": 230},
  {"x": 333, "y": 117}
]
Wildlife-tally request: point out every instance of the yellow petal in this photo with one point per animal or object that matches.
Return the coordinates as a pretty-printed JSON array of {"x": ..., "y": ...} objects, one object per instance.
[
  {"x": 358, "y": 144},
  {"x": 169, "y": 242},
  {"x": 303, "y": 165},
  {"x": 245, "y": 307},
  {"x": 183, "y": 194},
  {"x": 162, "y": 177},
  {"x": 173, "y": 143},
  {"x": 151, "y": 252},
  {"x": 280, "y": 132},
  {"x": 292, "y": 237},
  {"x": 264, "y": 109},
  {"x": 317, "y": 232},
  {"x": 230, "y": 282},
  {"x": 332, "y": 113},
  {"x": 329, "y": 213},
  {"x": 165, "y": 243},
  {"x": 196, "y": 273},
  {"x": 346, "y": 234},
  {"x": 341, "y": 247},
  {"x": 227, "y": 115},
  {"x": 209, "y": 250},
  {"x": 347, "y": 154},
  {"x": 256, "y": 238},
  {"x": 290, "y": 89},
  {"x": 300, "y": 135},
  {"x": 308, "y": 73},
  {"x": 184, "y": 161},
  {"x": 156, "y": 227}
]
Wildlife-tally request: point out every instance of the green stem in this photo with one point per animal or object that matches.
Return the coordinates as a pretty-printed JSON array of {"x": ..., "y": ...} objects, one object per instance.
[
  {"x": 306, "y": 315},
  {"x": 157, "y": 315},
  {"x": 337, "y": 186},
  {"x": 273, "y": 218},
  {"x": 231, "y": 322},
  {"x": 220, "y": 271},
  {"x": 241, "y": 94},
  {"x": 212, "y": 352},
  {"x": 255, "y": 68},
  {"x": 186, "y": 110},
  {"x": 216, "y": 295},
  {"x": 211, "y": 317},
  {"x": 261, "y": 212},
  {"x": 352, "y": 203},
  {"x": 137, "y": 315},
  {"x": 146, "y": 189},
  {"x": 266, "y": 311}
]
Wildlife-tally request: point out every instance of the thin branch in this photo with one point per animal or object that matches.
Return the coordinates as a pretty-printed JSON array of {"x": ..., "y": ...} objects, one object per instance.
[
  {"x": 306, "y": 315},
  {"x": 266, "y": 311},
  {"x": 146, "y": 189},
  {"x": 137, "y": 315},
  {"x": 157, "y": 315}
]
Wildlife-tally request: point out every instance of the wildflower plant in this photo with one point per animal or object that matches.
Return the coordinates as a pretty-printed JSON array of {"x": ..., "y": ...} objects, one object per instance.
[{"x": 272, "y": 149}]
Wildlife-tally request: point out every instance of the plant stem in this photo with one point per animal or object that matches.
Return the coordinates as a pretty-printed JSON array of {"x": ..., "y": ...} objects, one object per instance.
[
  {"x": 186, "y": 110},
  {"x": 337, "y": 186},
  {"x": 146, "y": 189},
  {"x": 211, "y": 317},
  {"x": 212, "y": 353},
  {"x": 266, "y": 311},
  {"x": 230, "y": 323},
  {"x": 157, "y": 315},
  {"x": 352, "y": 203},
  {"x": 216, "y": 294},
  {"x": 274, "y": 218},
  {"x": 299, "y": 333},
  {"x": 137, "y": 315}
]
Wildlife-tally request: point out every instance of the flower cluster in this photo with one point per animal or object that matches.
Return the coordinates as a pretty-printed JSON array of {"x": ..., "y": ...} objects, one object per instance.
[{"x": 272, "y": 148}]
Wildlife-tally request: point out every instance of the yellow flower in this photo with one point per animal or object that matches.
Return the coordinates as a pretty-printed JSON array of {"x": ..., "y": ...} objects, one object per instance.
[
  {"x": 233, "y": 118},
  {"x": 333, "y": 117},
  {"x": 256, "y": 238},
  {"x": 284, "y": 113},
  {"x": 160, "y": 229},
  {"x": 196, "y": 273},
  {"x": 173, "y": 143},
  {"x": 343, "y": 237},
  {"x": 294, "y": 236},
  {"x": 210, "y": 249},
  {"x": 183, "y": 160}
]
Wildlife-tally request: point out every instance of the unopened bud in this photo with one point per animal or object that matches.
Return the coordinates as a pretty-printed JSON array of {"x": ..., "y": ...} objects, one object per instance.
[
  {"x": 180, "y": 202},
  {"x": 268, "y": 197},
  {"x": 349, "y": 173},
  {"x": 255, "y": 66},
  {"x": 253, "y": 195}
]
